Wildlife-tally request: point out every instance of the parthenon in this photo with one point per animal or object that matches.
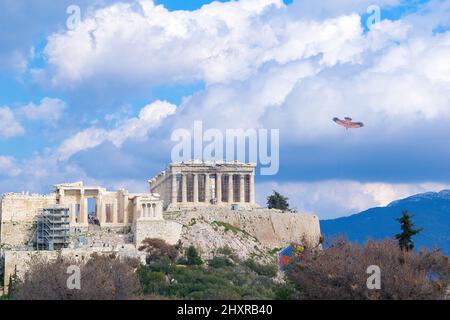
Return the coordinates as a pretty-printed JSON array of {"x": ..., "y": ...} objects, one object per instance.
[{"x": 199, "y": 184}]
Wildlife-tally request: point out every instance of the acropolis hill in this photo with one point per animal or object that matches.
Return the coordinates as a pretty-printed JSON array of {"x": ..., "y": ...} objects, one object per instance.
[{"x": 208, "y": 204}]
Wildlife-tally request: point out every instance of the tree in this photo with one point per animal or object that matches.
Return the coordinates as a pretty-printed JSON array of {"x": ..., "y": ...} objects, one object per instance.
[
  {"x": 102, "y": 278},
  {"x": 277, "y": 201},
  {"x": 158, "y": 248},
  {"x": 341, "y": 272},
  {"x": 404, "y": 238},
  {"x": 192, "y": 257}
]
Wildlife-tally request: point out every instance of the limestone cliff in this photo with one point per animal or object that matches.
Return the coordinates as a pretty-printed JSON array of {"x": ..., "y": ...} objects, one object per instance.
[{"x": 250, "y": 233}]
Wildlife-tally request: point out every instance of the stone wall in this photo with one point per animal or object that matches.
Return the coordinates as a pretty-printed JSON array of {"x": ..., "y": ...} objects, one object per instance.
[
  {"x": 17, "y": 215},
  {"x": 169, "y": 231}
]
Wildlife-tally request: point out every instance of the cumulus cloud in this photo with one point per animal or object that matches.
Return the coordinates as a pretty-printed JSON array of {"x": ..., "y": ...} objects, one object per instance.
[
  {"x": 149, "y": 118},
  {"x": 9, "y": 125},
  {"x": 49, "y": 109},
  {"x": 334, "y": 198},
  {"x": 220, "y": 42}
]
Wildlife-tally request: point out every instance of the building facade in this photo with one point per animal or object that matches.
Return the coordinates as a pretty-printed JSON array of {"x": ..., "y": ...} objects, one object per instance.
[
  {"x": 110, "y": 208},
  {"x": 200, "y": 184}
]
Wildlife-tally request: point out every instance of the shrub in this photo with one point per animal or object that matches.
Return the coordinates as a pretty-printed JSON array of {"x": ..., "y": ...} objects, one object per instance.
[
  {"x": 261, "y": 269},
  {"x": 219, "y": 262},
  {"x": 193, "y": 257},
  {"x": 339, "y": 272},
  {"x": 102, "y": 278},
  {"x": 158, "y": 248}
]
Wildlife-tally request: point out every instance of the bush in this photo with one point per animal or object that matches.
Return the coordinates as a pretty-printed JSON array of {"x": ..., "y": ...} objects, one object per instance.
[
  {"x": 158, "y": 248},
  {"x": 102, "y": 278},
  {"x": 261, "y": 269},
  {"x": 192, "y": 257},
  {"x": 219, "y": 262},
  {"x": 339, "y": 272}
]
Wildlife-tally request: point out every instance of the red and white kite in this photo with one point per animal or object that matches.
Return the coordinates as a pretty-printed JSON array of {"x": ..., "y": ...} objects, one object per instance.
[{"x": 347, "y": 123}]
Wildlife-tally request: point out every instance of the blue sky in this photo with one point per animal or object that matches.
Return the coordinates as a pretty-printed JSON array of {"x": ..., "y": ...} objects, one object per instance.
[{"x": 99, "y": 103}]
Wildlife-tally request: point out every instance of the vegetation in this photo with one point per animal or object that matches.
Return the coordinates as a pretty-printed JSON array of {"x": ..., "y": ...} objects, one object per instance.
[
  {"x": 337, "y": 272},
  {"x": 102, "y": 278},
  {"x": 340, "y": 272},
  {"x": 404, "y": 238},
  {"x": 157, "y": 248},
  {"x": 277, "y": 201},
  {"x": 220, "y": 278}
]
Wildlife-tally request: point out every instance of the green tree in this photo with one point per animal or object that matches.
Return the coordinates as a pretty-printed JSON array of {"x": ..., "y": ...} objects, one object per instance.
[
  {"x": 404, "y": 238},
  {"x": 277, "y": 201},
  {"x": 192, "y": 257}
]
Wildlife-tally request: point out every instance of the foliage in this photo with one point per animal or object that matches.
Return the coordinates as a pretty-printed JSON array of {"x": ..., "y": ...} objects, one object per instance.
[
  {"x": 217, "y": 280},
  {"x": 261, "y": 269},
  {"x": 340, "y": 272},
  {"x": 220, "y": 262},
  {"x": 192, "y": 257},
  {"x": 404, "y": 238},
  {"x": 158, "y": 248},
  {"x": 102, "y": 278},
  {"x": 277, "y": 201}
]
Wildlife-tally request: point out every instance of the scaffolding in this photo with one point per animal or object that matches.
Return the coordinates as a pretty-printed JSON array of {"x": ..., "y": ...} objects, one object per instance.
[{"x": 53, "y": 228}]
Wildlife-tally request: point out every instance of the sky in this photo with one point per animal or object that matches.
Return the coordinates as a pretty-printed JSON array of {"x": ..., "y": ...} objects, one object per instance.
[{"x": 97, "y": 100}]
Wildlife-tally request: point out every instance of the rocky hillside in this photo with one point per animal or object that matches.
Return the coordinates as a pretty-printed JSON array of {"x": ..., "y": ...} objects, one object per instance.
[{"x": 257, "y": 233}]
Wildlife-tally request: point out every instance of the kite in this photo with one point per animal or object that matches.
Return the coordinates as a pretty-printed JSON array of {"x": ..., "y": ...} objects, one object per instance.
[
  {"x": 289, "y": 255},
  {"x": 347, "y": 123}
]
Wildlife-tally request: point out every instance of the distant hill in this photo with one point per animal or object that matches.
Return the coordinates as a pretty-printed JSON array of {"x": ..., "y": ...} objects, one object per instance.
[{"x": 431, "y": 211}]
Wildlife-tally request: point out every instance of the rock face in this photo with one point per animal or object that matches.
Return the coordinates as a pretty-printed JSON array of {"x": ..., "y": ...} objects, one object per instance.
[
  {"x": 170, "y": 231},
  {"x": 249, "y": 233}
]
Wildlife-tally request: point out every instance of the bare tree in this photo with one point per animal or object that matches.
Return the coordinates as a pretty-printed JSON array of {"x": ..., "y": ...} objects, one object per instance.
[
  {"x": 158, "y": 248},
  {"x": 102, "y": 278},
  {"x": 339, "y": 272}
]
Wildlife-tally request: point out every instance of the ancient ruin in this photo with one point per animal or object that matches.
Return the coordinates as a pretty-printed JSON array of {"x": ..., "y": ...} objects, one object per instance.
[
  {"x": 208, "y": 204},
  {"x": 202, "y": 184}
]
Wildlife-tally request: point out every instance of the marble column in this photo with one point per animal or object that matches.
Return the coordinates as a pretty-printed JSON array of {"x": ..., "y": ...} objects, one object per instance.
[
  {"x": 102, "y": 213},
  {"x": 125, "y": 209},
  {"x": 174, "y": 189},
  {"x": 207, "y": 189},
  {"x": 115, "y": 212},
  {"x": 184, "y": 188},
  {"x": 241, "y": 188},
  {"x": 195, "y": 188},
  {"x": 83, "y": 214},
  {"x": 230, "y": 189},
  {"x": 252, "y": 188},
  {"x": 73, "y": 216},
  {"x": 219, "y": 187}
]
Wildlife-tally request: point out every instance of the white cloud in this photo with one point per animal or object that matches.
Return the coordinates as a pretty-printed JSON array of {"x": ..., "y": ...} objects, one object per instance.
[
  {"x": 334, "y": 198},
  {"x": 9, "y": 126},
  {"x": 8, "y": 167},
  {"x": 50, "y": 109},
  {"x": 220, "y": 42},
  {"x": 149, "y": 118}
]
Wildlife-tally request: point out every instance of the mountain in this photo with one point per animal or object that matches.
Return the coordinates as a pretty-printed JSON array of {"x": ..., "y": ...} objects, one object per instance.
[{"x": 431, "y": 211}]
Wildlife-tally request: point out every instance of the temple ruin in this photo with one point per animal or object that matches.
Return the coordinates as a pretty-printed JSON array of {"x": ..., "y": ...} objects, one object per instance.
[{"x": 202, "y": 184}]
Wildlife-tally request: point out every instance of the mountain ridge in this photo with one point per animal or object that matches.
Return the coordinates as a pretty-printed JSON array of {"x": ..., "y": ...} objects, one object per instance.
[{"x": 431, "y": 211}]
